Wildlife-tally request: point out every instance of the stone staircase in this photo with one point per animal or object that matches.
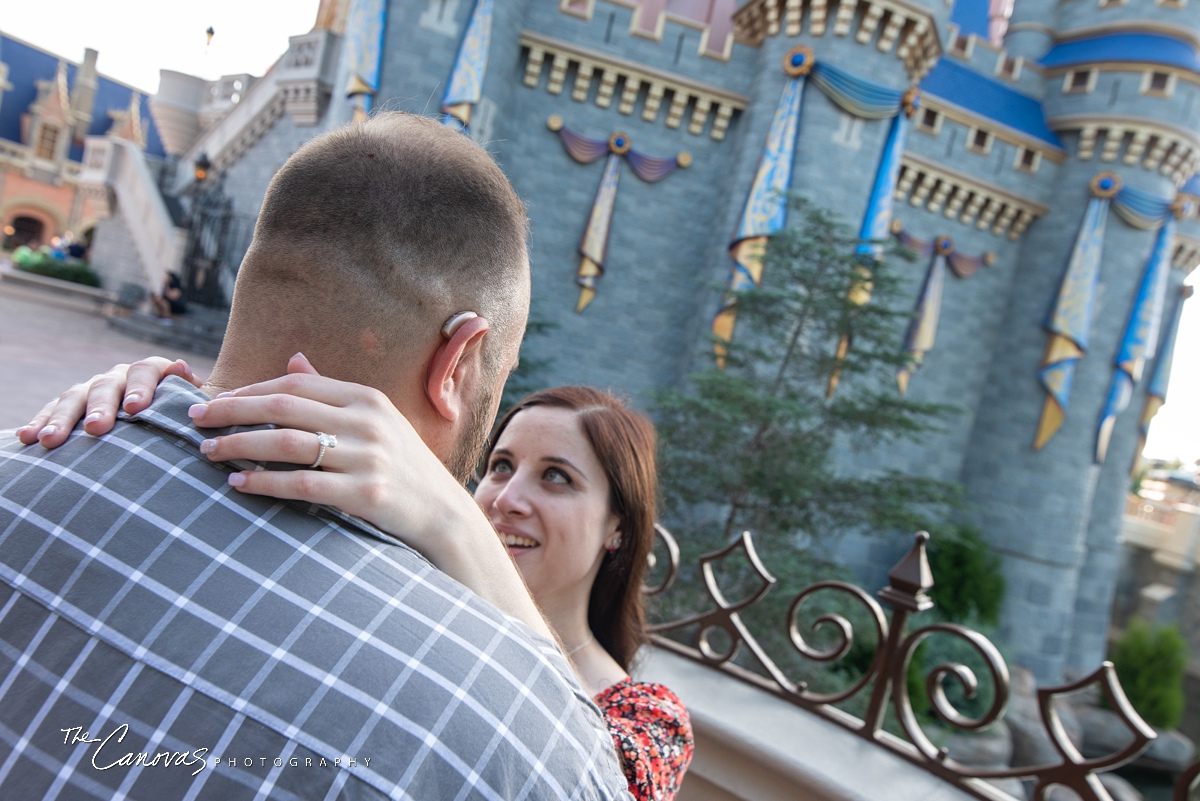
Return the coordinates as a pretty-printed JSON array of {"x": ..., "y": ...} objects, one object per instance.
[{"x": 199, "y": 331}]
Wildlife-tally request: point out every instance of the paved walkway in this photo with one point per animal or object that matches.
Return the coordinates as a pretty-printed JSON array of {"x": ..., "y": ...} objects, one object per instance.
[{"x": 49, "y": 342}]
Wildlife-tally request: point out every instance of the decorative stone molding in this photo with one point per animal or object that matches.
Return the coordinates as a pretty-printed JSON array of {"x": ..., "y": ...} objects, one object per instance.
[
  {"x": 1171, "y": 151},
  {"x": 305, "y": 79},
  {"x": 972, "y": 202},
  {"x": 889, "y": 23},
  {"x": 13, "y": 154},
  {"x": 250, "y": 134},
  {"x": 684, "y": 98}
]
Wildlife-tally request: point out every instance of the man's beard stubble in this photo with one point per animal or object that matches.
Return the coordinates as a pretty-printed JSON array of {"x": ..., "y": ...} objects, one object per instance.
[{"x": 473, "y": 442}]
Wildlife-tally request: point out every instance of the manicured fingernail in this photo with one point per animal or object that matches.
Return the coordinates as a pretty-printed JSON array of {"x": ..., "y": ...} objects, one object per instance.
[
  {"x": 236, "y": 479},
  {"x": 225, "y": 395},
  {"x": 208, "y": 446},
  {"x": 47, "y": 431},
  {"x": 91, "y": 418},
  {"x": 197, "y": 411},
  {"x": 184, "y": 364},
  {"x": 299, "y": 355},
  {"x": 132, "y": 397}
]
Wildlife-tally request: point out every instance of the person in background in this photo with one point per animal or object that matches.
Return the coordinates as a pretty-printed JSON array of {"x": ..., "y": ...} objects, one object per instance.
[{"x": 169, "y": 302}]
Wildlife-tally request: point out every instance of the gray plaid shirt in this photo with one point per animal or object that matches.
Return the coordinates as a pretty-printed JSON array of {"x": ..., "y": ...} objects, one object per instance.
[{"x": 163, "y": 636}]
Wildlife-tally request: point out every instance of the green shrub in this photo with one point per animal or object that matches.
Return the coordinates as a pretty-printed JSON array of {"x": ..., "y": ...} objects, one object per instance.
[
  {"x": 1150, "y": 661},
  {"x": 968, "y": 582},
  {"x": 75, "y": 271}
]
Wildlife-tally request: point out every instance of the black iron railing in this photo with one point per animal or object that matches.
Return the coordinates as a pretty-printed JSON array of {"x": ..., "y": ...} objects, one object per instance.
[{"x": 884, "y": 684}]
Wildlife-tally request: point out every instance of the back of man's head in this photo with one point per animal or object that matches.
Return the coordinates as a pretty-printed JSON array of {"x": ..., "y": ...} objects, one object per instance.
[{"x": 369, "y": 238}]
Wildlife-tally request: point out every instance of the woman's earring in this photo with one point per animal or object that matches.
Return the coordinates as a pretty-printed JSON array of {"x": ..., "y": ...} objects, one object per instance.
[{"x": 613, "y": 545}]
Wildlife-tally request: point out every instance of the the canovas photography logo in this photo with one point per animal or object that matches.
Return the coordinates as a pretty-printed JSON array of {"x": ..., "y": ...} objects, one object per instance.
[{"x": 108, "y": 753}]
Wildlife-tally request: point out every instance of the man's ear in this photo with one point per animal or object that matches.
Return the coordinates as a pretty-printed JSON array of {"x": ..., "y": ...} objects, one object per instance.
[{"x": 452, "y": 362}]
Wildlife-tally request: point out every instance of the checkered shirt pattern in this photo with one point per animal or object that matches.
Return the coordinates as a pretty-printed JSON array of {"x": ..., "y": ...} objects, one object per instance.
[{"x": 146, "y": 609}]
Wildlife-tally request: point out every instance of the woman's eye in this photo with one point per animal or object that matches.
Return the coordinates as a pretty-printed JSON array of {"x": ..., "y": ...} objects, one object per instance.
[
  {"x": 500, "y": 466},
  {"x": 556, "y": 476}
]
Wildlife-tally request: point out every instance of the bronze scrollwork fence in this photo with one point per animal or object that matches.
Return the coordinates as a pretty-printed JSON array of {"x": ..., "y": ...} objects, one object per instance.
[{"x": 884, "y": 684}]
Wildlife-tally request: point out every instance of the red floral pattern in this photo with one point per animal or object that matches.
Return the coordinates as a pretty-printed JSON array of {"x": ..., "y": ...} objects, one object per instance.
[{"x": 653, "y": 735}]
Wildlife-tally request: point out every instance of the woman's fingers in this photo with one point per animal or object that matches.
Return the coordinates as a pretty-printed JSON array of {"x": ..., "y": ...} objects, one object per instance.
[
  {"x": 143, "y": 377},
  {"x": 286, "y": 445},
  {"x": 304, "y": 384},
  {"x": 52, "y": 425},
  {"x": 28, "y": 433},
  {"x": 311, "y": 486},
  {"x": 124, "y": 386},
  {"x": 300, "y": 364},
  {"x": 281, "y": 411}
]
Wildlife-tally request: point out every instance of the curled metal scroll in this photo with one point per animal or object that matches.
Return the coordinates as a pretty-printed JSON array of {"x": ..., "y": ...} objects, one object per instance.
[
  {"x": 672, "y": 561},
  {"x": 935, "y": 686},
  {"x": 846, "y": 633},
  {"x": 887, "y": 675}
]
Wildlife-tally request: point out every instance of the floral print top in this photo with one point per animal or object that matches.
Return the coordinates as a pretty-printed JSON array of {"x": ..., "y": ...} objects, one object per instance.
[{"x": 653, "y": 735}]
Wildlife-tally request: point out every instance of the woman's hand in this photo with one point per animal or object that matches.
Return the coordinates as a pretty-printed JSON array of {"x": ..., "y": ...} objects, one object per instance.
[
  {"x": 380, "y": 470},
  {"x": 127, "y": 386}
]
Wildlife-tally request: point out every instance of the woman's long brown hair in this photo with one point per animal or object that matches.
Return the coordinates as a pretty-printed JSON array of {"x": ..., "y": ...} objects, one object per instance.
[{"x": 624, "y": 441}]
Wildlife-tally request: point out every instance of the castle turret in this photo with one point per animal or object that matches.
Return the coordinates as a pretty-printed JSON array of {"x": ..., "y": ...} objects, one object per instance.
[
  {"x": 83, "y": 95},
  {"x": 1048, "y": 488},
  {"x": 176, "y": 109}
]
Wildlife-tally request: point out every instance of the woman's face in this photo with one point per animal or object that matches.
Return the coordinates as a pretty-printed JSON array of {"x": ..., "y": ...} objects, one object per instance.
[{"x": 548, "y": 497}]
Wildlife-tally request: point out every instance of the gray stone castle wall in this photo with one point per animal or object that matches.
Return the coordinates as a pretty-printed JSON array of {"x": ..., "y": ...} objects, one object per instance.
[{"x": 1050, "y": 514}]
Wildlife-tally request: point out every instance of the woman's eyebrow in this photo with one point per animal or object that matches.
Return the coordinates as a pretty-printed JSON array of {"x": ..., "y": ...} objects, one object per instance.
[{"x": 561, "y": 460}]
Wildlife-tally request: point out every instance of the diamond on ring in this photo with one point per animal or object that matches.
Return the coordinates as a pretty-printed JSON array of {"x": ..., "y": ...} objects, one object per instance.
[{"x": 324, "y": 441}]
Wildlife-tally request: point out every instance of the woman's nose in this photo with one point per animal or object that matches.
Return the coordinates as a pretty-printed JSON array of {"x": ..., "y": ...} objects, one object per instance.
[{"x": 513, "y": 497}]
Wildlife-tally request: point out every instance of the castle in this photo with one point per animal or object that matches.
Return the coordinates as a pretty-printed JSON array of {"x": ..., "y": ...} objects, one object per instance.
[{"x": 1040, "y": 158}]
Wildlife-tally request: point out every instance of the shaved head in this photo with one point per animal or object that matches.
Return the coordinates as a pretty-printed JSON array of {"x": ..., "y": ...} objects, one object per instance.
[{"x": 369, "y": 238}]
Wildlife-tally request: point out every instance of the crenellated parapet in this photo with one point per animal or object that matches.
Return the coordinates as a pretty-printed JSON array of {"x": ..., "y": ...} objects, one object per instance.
[
  {"x": 1171, "y": 151},
  {"x": 965, "y": 198},
  {"x": 892, "y": 25},
  {"x": 1129, "y": 96},
  {"x": 608, "y": 80}
]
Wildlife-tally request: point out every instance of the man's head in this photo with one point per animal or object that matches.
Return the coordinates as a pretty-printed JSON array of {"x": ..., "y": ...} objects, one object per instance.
[{"x": 370, "y": 238}]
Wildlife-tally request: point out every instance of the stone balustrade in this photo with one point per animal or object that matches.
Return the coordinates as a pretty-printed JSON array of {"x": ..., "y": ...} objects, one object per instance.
[{"x": 893, "y": 26}]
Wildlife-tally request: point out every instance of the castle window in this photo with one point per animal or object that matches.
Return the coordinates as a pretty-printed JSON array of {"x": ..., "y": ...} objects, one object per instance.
[
  {"x": 930, "y": 121},
  {"x": 980, "y": 141},
  {"x": 47, "y": 143},
  {"x": 1079, "y": 81},
  {"x": 1009, "y": 67},
  {"x": 1028, "y": 160},
  {"x": 962, "y": 45},
  {"x": 1160, "y": 84}
]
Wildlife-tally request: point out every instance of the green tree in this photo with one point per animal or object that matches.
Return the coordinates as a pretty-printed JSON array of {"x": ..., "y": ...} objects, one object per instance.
[
  {"x": 968, "y": 579},
  {"x": 755, "y": 442},
  {"x": 1150, "y": 662}
]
